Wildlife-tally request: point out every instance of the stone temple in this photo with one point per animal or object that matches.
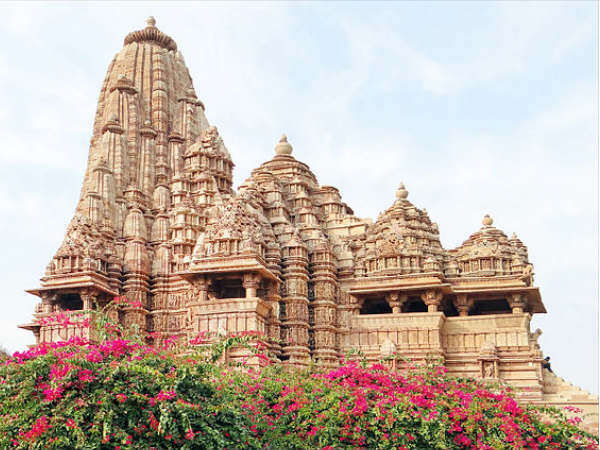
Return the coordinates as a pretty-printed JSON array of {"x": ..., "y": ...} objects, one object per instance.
[{"x": 159, "y": 222}]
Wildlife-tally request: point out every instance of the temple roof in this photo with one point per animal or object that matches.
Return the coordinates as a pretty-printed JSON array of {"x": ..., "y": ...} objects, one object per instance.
[{"x": 158, "y": 190}]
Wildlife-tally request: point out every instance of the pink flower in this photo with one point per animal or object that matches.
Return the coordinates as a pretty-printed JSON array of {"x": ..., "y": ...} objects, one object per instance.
[{"x": 51, "y": 394}]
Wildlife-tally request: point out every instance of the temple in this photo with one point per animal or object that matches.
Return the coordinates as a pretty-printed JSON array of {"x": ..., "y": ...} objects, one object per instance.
[{"x": 159, "y": 223}]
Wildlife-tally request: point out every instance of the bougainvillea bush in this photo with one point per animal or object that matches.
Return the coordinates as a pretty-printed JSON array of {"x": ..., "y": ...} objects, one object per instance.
[
  {"x": 359, "y": 407},
  {"x": 121, "y": 394}
]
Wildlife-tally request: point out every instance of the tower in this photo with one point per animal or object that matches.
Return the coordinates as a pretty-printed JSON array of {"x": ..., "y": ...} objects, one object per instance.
[{"x": 159, "y": 223}]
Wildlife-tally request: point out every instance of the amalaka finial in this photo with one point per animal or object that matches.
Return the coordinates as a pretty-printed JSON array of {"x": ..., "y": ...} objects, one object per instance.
[
  {"x": 151, "y": 21},
  {"x": 401, "y": 193},
  {"x": 487, "y": 221},
  {"x": 283, "y": 147}
]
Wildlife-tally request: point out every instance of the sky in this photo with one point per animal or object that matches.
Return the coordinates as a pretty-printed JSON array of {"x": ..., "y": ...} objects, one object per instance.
[{"x": 478, "y": 107}]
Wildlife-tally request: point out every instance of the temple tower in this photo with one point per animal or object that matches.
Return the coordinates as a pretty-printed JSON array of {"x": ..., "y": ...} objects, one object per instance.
[{"x": 159, "y": 223}]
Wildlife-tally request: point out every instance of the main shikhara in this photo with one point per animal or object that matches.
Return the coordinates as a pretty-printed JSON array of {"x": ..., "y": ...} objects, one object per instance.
[{"x": 159, "y": 223}]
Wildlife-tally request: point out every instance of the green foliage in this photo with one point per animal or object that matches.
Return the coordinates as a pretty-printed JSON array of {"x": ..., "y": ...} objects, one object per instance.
[{"x": 119, "y": 393}]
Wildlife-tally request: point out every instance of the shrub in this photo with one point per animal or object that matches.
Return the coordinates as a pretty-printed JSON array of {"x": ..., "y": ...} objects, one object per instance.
[{"x": 121, "y": 394}]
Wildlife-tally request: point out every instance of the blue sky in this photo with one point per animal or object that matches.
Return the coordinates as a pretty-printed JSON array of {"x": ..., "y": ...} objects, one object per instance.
[{"x": 479, "y": 107}]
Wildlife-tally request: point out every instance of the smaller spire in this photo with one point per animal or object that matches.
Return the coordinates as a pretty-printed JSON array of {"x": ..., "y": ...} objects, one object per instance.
[
  {"x": 401, "y": 193},
  {"x": 283, "y": 147},
  {"x": 487, "y": 221},
  {"x": 151, "y": 22}
]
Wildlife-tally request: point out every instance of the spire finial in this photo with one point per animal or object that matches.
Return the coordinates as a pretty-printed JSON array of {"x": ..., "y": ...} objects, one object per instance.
[
  {"x": 487, "y": 221},
  {"x": 401, "y": 193},
  {"x": 283, "y": 147},
  {"x": 151, "y": 21}
]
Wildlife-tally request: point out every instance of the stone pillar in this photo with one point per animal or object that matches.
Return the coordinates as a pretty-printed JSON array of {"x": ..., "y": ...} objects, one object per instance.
[
  {"x": 176, "y": 159},
  {"x": 323, "y": 306},
  {"x": 199, "y": 298},
  {"x": 47, "y": 301},
  {"x": 345, "y": 310},
  {"x": 396, "y": 300},
  {"x": 274, "y": 299},
  {"x": 517, "y": 302},
  {"x": 432, "y": 299},
  {"x": 463, "y": 303},
  {"x": 88, "y": 297},
  {"x": 251, "y": 281},
  {"x": 295, "y": 276},
  {"x": 136, "y": 267}
]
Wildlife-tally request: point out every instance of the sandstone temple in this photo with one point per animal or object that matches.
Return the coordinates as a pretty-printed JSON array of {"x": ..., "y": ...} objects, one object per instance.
[{"x": 159, "y": 222}]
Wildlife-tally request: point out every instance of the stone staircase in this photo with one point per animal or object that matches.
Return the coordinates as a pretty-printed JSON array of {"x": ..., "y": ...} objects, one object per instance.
[{"x": 560, "y": 393}]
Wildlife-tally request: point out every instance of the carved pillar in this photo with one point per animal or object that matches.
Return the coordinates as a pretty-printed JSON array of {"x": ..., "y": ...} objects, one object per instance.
[
  {"x": 345, "y": 310},
  {"x": 199, "y": 298},
  {"x": 295, "y": 276},
  {"x": 396, "y": 300},
  {"x": 357, "y": 305},
  {"x": 47, "y": 301},
  {"x": 323, "y": 305},
  {"x": 251, "y": 281},
  {"x": 274, "y": 299},
  {"x": 463, "y": 303},
  {"x": 88, "y": 298},
  {"x": 176, "y": 159},
  {"x": 432, "y": 299},
  {"x": 136, "y": 267},
  {"x": 517, "y": 302}
]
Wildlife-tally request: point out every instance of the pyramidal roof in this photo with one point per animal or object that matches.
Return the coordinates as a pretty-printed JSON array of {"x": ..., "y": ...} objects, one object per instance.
[{"x": 157, "y": 196}]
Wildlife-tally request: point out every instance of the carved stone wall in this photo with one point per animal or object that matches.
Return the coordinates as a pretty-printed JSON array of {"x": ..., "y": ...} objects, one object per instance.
[{"x": 159, "y": 223}]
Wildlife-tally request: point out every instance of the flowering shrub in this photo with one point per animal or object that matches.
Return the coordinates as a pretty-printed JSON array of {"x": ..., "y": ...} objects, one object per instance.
[
  {"x": 115, "y": 395},
  {"x": 375, "y": 408},
  {"x": 121, "y": 394}
]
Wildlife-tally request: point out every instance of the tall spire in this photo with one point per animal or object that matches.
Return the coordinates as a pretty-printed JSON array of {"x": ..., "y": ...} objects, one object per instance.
[{"x": 148, "y": 121}]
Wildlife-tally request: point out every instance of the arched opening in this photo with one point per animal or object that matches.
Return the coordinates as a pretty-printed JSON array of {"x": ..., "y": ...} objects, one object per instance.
[
  {"x": 414, "y": 304},
  {"x": 377, "y": 305},
  {"x": 71, "y": 302},
  {"x": 490, "y": 306}
]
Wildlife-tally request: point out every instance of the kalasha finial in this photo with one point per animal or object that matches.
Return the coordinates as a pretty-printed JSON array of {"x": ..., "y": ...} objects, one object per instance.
[
  {"x": 401, "y": 193},
  {"x": 151, "y": 21},
  {"x": 283, "y": 147},
  {"x": 487, "y": 221}
]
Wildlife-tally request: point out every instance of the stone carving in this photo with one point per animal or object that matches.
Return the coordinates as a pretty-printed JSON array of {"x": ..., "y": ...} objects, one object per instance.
[
  {"x": 489, "y": 370},
  {"x": 159, "y": 222}
]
